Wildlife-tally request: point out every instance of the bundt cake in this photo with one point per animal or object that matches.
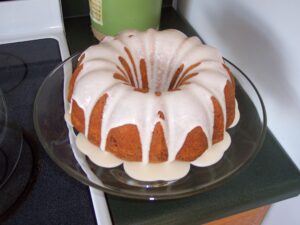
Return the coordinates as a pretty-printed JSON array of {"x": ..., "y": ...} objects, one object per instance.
[{"x": 152, "y": 96}]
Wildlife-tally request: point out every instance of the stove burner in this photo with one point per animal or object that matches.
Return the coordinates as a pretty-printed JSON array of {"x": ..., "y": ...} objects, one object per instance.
[
  {"x": 19, "y": 185},
  {"x": 11, "y": 142},
  {"x": 13, "y": 71}
]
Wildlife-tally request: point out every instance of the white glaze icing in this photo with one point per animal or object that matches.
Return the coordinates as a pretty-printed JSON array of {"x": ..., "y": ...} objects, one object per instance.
[
  {"x": 100, "y": 158},
  {"x": 214, "y": 153},
  {"x": 68, "y": 120},
  {"x": 166, "y": 171},
  {"x": 163, "y": 52}
]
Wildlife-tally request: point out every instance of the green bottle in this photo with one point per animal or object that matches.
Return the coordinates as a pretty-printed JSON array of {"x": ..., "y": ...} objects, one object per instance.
[{"x": 109, "y": 17}]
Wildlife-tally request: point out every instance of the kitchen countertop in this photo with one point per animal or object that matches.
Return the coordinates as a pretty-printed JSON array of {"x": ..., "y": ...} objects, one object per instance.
[{"x": 271, "y": 177}]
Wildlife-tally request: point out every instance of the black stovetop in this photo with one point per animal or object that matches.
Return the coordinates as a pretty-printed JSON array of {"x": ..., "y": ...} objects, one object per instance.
[{"x": 54, "y": 197}]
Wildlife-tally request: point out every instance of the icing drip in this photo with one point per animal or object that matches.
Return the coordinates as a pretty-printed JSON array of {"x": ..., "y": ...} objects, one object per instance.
[
  {"x": 214, "y": 153},
  {"x": 166, "y": 171},
  {"x": 100, "y": 158}
]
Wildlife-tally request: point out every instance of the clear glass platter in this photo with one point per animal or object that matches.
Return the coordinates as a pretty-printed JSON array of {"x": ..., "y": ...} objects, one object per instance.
[{"x": 247, "y": 138}]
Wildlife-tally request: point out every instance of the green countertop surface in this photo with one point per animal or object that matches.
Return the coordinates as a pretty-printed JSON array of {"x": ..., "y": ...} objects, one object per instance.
[{"x": 269, "y": 178}]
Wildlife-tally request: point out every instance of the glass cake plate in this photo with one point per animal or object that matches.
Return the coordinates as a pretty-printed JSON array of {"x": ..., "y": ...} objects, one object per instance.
[{"x": 247, "y": 137}]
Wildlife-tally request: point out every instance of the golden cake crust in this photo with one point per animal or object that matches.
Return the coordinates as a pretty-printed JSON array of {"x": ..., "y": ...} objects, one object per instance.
[
  {"x": 125, "y": 143},
  {"x": 158, "y": 148}
]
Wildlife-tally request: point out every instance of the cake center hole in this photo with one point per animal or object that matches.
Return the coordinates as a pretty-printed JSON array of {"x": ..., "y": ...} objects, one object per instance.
[
  {"x": 136, "y": 74},
  {"x": 138, "y": 77}
]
